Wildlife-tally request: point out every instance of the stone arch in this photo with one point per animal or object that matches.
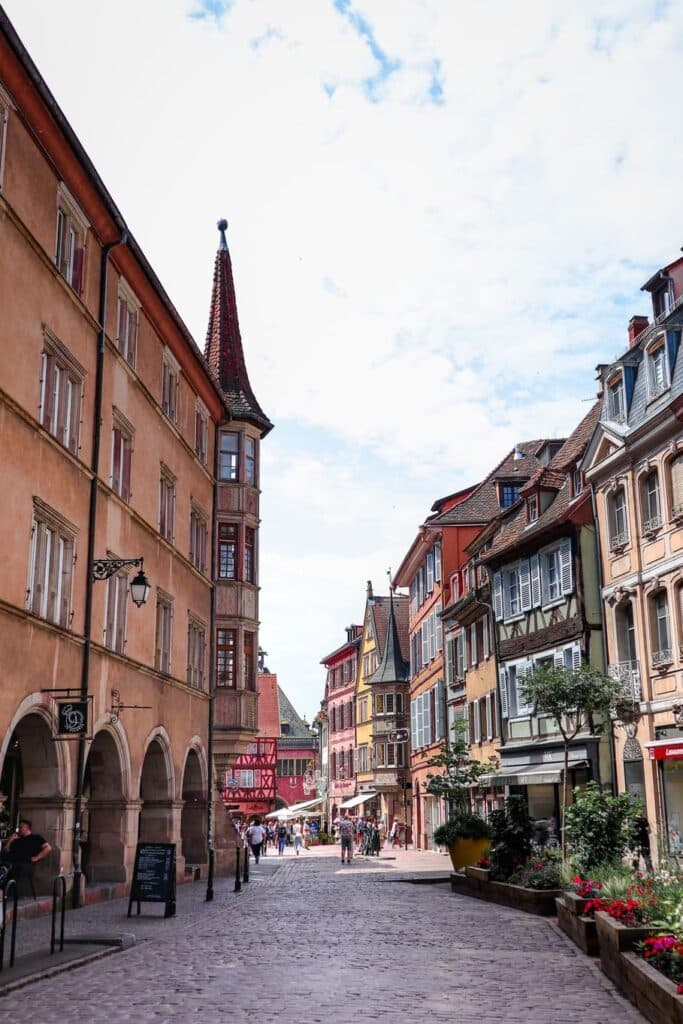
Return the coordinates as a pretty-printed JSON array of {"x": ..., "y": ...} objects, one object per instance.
[
  {"x": 193, "y": 823},
  {"x": 35, "y": 780},
  {"x": 104, "y": 818},
  {"x": 156, "y": 787}
]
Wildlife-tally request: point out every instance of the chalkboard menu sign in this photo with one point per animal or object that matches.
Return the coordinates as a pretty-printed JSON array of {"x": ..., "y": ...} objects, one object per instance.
[{"x": 154, "y": 876}]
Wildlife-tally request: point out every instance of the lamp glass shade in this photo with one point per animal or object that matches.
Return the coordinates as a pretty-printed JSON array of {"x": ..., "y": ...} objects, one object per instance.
[{"x": 139, "y": 589}]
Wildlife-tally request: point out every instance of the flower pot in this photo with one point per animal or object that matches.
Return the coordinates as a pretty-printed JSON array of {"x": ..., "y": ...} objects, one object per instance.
[{"x": 467, "y": 851}]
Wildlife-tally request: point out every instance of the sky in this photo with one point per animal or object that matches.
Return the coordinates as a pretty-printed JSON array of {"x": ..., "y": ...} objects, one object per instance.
[{"x": 440, "y": 216}]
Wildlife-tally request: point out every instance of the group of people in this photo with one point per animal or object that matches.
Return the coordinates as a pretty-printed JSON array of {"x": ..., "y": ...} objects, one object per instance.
[{"x": 259, "y": 836}]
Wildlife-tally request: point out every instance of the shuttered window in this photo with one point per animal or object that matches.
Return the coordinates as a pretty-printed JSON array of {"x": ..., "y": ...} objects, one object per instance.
[
  {"x": 61, "y": 392},
  {"x": 50, "y": 567},
  {"x": 115, "y": 614},
  {"x": 677, "y": 485}
]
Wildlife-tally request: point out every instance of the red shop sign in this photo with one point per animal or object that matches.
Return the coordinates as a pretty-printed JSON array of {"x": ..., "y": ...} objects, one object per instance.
[{"x": 666, "y": 751}]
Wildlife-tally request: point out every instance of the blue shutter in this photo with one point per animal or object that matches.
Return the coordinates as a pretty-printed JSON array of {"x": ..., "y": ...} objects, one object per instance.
[
  {"x": 673, "y": 340},
  {"x": 524, "y": 585},
  {"x": 503, "y": 690}
]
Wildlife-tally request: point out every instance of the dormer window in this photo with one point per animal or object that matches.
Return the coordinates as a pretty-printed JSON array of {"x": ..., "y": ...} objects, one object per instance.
[
  {"x": 532, "y": 508},
  {"x": 577, "y": 482},
  {"x": 509, "y": 493},
  {"x": 661, "y": 299},
  {"x": 657, "y": 368},
  {"x": 616, "y": 404}
]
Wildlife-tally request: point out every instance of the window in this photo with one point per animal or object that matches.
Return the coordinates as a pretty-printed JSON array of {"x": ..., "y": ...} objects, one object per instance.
[
  {"x": 437, "y": 562},
  {"x": 170, "y": 376},
  {"x": 249, "y": 661},
  {"x": 166, "y": 503},
  {"x": 661, "y": 631},
  {"x": 201, "y": 432},
  {"x": 50, "y": 566},
  {"x": 196, "y": 653},
  {"x": 551, "y": 576},
  {"x": 127, "y": 323},
  {"x": 228, "y": 457},
  {"x": 162, "y": 660},
  {"x": 532, "y": 508},
  {"x": 577, "y": 482},
  {"x": 509, "y": 493},
  {"x": 658, "y": 372},
  {"x": 70, "y": 239},
  {"x": 652, "y": 510},
  {"x": 249, "y": 554},
  {"x": 618, "y": 519},
  {"x": 389, "y": 755},
  {"x": 227, "y": 551},
  {"x": 615, "y": 400},
  {"x": 226, "y": 645},
  {"x": 661, "y": 300},
  {"x": 199, "y": 532},
  {"x": 429, "y": 568},
  {"x": 121, "y": 453},
  {"x": 677, "y": 486},
  {"x": 511, "y": 598},
  {"x": 61, "y": 388},
  {"x": 250, "y": 461},
  {"x": 115, "y": 614},
  {"x": 474, "y": 652},
  {"x": 626, "y": 633}
]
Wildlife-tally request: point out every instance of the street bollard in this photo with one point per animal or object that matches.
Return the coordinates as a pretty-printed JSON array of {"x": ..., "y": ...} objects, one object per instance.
[
  {"x": 238, "y": 873},
  {"x": 245, "y": 875}
]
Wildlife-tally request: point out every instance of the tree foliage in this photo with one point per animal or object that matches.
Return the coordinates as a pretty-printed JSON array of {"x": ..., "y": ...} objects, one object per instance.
[
  {"x": 460, "y": 772},
  {"x": 599, "y": 827}
]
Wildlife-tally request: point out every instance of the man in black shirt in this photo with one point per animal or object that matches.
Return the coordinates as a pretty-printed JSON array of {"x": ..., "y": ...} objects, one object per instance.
[{"x": 23, "y": 847}]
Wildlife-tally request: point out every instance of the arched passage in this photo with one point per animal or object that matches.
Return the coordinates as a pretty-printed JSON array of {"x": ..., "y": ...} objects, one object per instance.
[
  {"x": 156, "y": 794},
  {"x": 193, "y": 817},
  {"x": 104, "y": 807},
  {"x": 31, "y": 779}
]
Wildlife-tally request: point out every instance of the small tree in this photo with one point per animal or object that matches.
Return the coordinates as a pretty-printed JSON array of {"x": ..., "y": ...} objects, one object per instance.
[
  {"x": 460, "y": 773},
  {"x": 578, "y": 699},
  {"x": 599, "y": 827}
]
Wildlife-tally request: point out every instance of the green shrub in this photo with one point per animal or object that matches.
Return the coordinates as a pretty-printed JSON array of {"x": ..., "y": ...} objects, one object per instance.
[
  {"x": 511, "y": 831},
  {"x": 461, "y": 826},
  {"x": 598, "y": 827}
]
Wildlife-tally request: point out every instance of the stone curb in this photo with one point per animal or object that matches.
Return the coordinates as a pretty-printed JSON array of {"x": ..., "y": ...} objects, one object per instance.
[{"x": 118, "y": 945}]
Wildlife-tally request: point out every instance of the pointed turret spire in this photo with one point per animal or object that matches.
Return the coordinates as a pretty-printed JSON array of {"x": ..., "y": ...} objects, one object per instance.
[
  {"x": 224, "y": 351},
  {"x": 393, "y": 667}
]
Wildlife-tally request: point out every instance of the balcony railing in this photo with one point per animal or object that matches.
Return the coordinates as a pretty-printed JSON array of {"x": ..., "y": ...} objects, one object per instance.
[
  {"x": 661, "y": 658},
  {"x": 628, "y": 675},
  {"x": 652, "y": 524},
  {"x": 618, "y": 540}
]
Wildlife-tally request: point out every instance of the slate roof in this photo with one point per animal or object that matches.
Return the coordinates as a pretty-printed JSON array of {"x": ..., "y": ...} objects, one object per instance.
[
  {"x": 483, "y": 504},
  {"x": 288, "y": 714},
  {"x": 393, "y": 668},
  {"x": 515, "y": 528},
  {"x": 381, "y": 609},
  {"x": 224, "y": 352}
]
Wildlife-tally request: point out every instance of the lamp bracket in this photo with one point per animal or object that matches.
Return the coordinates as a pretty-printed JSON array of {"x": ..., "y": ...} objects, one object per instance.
[
  {"x": 103, "y": 568},
  {"x": 117, "y": 707}
]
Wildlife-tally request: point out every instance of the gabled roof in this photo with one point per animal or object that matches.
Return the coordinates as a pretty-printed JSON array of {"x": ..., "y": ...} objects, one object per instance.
[
  {"x": 380, "y": 611},
  {"x": 224, "y": 351},
  {"x": 483, "y": 504},
  {"x": 515, "y": 529},
  {"x": 393, "y": 668}
]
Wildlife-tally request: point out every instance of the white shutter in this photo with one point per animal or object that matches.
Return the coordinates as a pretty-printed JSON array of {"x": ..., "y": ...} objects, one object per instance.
[
  {"x": 430, "y": 571},
  {"x": 485, "y": 636},
  {"x": 566, "y": 566},
  {"x": 413, "y": 724},
  {"x": 489, "y": 716},
  {"x": 576, "y": 657},
  {"x": 466, "y": 720},
  {"x": 523, "y": 670},
  {"x": 432, "y": 635},
  {"x": 524, "y": 585},
  {"x": 558, "y": 659},
  {"x": 498, "y": 595},
  {"x": 473, "y": 644},
  {"x": 477, "y": 721},
  {"x": 545, "y": 588},
  {"x": 535, "y": 581},
  {"x": 507, "y": 605},
  {"x": 422, "y": 720},
  {"x": 425, "y": 642},
  {"x": 439, "y": 706},
  {"x": 450, "y": 663},
  {"x": 503, "y": 689},
  {"x": 437, "y": 562},
  {"x": 439, "y": 627}
]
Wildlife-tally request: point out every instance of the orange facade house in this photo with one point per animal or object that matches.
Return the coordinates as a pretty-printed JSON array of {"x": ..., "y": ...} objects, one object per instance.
[
  {"x": 635, "y": 465},
  {"x": 115, "y": 430},
  {"x": 338, "y": 704}
]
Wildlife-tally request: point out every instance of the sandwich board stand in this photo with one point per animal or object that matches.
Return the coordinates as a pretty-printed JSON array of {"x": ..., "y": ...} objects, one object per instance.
[{"x": 154, "y": 876}]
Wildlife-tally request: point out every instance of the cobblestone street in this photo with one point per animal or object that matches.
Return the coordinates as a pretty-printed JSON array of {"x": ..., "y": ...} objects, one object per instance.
[{"x": 308, "y": 940}]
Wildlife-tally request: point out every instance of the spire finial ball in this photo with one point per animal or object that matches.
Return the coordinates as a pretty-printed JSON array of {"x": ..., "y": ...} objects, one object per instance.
[{"x": 222, "y": 224}]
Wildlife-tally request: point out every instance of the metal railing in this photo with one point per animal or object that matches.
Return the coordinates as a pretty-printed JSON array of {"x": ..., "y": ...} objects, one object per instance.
[
  {"x": 618, "y": 540},
  {"x": 58, "y": 893},
  {"x": 652, "y": 524},
  {"x": 627, "y": 673},
  {"x": 9, "y": 890},
  {"x": 661, "y": 658},
  {"x": 238, "y": 870}
]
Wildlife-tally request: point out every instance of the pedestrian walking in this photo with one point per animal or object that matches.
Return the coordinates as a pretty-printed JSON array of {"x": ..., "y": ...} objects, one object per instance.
[
  {"x": 281, "y": 838},
  {"x": 347, "y": 832},
  {"x": 297, "y": 832},
  {"x": 255, "y": 836}
]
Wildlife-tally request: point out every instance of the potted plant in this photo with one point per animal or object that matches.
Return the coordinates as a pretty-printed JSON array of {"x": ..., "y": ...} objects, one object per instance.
[{"x": 467, "y": 837}]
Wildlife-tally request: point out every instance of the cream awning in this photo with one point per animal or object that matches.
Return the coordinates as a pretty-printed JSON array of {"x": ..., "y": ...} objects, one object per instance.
[
  {"x": 528, "y": 775},
  {"x": 356, "y": 801},
  {"x": 295, "y": 809}
]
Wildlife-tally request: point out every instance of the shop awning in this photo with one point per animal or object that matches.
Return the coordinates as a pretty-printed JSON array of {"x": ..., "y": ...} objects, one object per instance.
[
  {"x": 356, "y": 801},
  {"x": 296, "y": 809},
  {"x": 665, "y": 750},
  {"x": 528, "y": 775}
]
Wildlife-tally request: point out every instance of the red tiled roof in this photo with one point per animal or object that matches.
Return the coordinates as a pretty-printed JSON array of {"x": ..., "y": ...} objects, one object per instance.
[
  {"x": 224, "y": 352},
  {"x": 268, "y": 705}
]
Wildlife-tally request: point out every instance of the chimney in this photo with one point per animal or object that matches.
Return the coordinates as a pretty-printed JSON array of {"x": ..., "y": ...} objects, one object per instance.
[
  {"x": 370, "y": 594},
  {"x": 636, "y": 326},
  {"x": 600, "y": 377}
]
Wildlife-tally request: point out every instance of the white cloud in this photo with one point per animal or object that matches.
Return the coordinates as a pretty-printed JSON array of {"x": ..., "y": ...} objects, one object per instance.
[{"x": 440, "y": 215}]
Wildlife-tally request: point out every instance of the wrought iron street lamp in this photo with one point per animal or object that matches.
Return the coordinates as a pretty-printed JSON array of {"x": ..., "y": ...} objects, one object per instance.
[{"x": 103, "y": 568}]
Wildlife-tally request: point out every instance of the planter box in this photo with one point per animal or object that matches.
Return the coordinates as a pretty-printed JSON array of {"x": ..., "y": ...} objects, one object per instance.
[
  {"x": 532, "y": 901},
  {"x": 614, "y": 939},
  {"x": 467, "y": 851},
  {"x": 481, "y": 873},
  {"x": 652, "y": 992},
  {"x": 580, "y": 928}
]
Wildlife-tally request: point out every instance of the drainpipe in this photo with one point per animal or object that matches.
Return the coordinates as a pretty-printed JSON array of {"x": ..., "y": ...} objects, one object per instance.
[
  {"x": 90, "y": 557},
  {"x": 212, "y": 678},
  {"x": 603, "y": 632}
]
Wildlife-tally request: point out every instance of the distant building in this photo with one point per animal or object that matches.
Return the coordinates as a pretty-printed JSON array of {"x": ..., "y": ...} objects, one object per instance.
[
  {"x": 297, "y": 749},
  {"x": 339, "y": 705}
]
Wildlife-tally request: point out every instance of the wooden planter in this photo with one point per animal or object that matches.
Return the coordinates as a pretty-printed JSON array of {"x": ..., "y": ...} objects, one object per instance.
[
  {"x": 467, "y": 851},
  {"x": 532, "y": 901},
  {"x": 652, "y": 992},
  {"x": 614, "y": 939},
  {"x": 481, "y": 873},
  {"x": 580, "y": 928}
]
